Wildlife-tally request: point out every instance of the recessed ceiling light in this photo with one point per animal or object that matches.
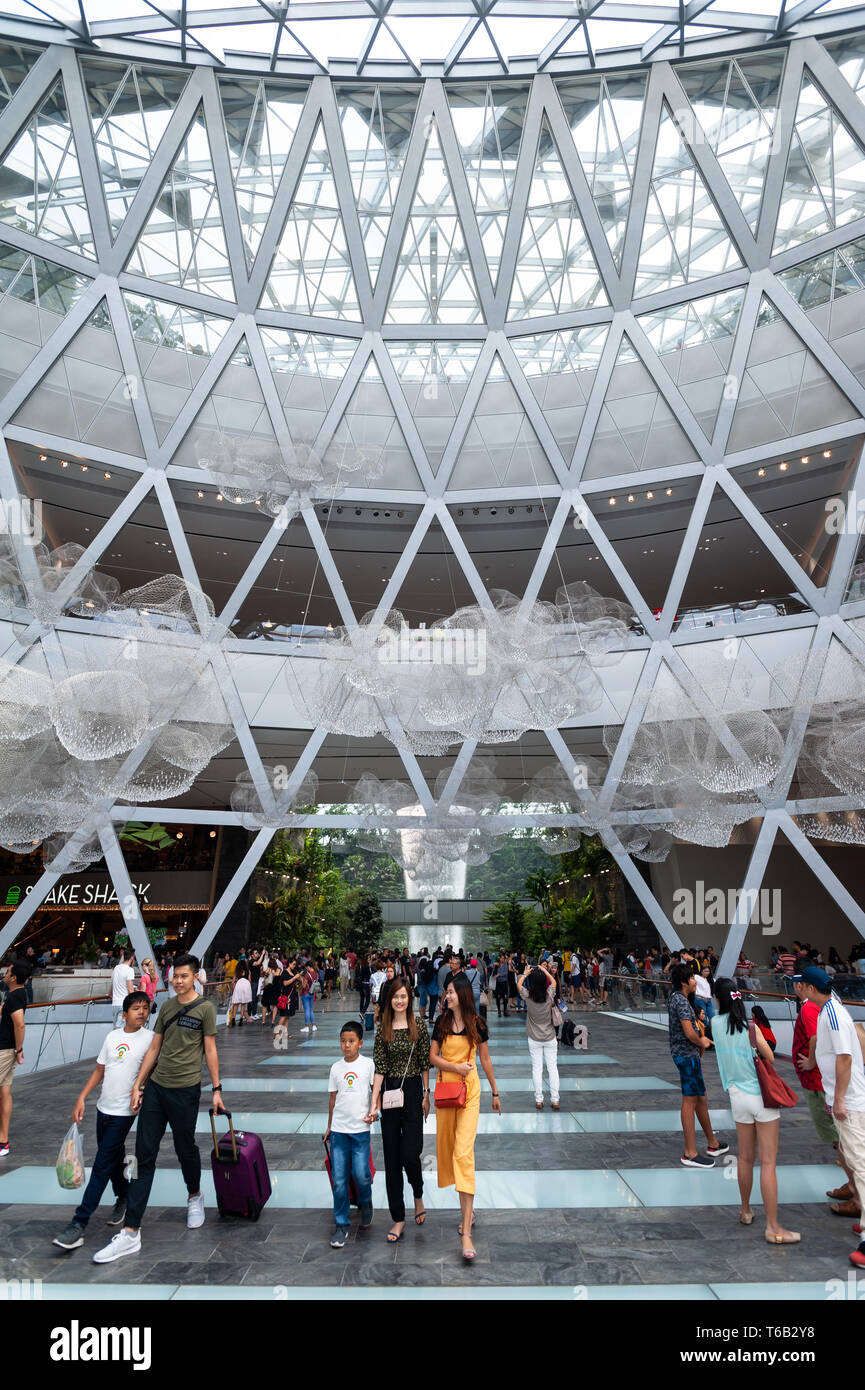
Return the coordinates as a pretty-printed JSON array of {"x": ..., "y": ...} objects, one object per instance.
[
  {"x": 650, "y": 495},
  {"x": 106, "y": 475},
  {"x": 199, "y": 494},
  {"x": 612, "y": 501},
  {"x": 783, "y": 467},
  {"x": 84, "y": 468},
  {"x": 219, "y": 497},
  {"x": 213, "y": 834},
  {"x": 669, "y": 492},
  {"x": 827, "y": 453},
  {"x": 761, "y": 472},
  {"x": 630, "y": 497},
  {"x": 804, "y": 458},
  {"x": 43, "y": 458},
  {"x": 64, "y": 463}
]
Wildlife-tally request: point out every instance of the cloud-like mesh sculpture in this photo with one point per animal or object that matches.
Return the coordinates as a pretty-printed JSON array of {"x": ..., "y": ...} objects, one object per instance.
[
  {"x": 488, "y": 674},
  {"x": 249, "y": 470}
]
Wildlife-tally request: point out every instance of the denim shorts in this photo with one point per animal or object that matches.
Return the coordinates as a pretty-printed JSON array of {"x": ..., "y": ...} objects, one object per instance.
[{"x": 691, "y": 1076}]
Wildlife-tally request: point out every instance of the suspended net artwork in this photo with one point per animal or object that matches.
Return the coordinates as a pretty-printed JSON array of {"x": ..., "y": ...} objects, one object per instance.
[
  {"x": 279, "y": 801},
  {"x": 141, "y": 727},
  {"x": 485, "y": 673},
  {"x": 280, "y": 479}
]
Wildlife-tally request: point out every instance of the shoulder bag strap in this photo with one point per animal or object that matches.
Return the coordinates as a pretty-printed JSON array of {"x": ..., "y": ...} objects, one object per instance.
[{"x": 181, "y": 1012}]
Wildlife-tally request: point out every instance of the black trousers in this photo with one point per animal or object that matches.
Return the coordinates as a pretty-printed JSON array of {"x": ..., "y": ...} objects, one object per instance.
[
  {"x": 364, "y": 990},
  {"x": 162, "y": 1106},
  {"x": 402, "y": 1141},
  {"x": 501, "y": 997}
]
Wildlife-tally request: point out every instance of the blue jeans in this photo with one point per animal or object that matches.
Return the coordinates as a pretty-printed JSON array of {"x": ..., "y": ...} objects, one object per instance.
[
  {"x": 111, "y": 1132},
  {"x": 349, "y": 1158},
  {"x": 422, "y": 996},
  {"x": 308, "y": 1015}
]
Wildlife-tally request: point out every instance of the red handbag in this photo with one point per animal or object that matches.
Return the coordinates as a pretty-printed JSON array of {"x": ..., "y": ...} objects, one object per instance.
[
  {"x": 777, "y": 1095},
  {"x": 450, "y": 1095}
]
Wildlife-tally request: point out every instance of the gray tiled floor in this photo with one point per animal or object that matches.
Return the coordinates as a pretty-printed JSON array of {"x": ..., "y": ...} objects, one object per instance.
[{"x": 638, "y": 1246}]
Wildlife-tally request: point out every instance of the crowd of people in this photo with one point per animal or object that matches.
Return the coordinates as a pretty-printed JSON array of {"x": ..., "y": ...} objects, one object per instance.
[{"x": 429, "y": 1011}]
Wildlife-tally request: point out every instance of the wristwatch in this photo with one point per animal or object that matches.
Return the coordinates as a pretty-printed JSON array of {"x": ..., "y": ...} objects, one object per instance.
[{"x": 217, "y": 1088}]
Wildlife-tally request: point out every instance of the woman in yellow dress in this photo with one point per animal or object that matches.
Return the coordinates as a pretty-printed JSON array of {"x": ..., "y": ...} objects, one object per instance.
[{"x": 460, "y": 1040}]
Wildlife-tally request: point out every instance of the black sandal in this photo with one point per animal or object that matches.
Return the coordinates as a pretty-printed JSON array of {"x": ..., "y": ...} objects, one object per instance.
[{"x": 419, "y": 1218}]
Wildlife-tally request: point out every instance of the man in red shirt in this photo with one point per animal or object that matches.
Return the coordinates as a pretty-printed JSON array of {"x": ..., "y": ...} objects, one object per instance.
[{"x": 804, "y": 1029}]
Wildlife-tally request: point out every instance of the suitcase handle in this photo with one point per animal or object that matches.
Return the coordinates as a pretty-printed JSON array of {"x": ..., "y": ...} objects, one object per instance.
[{"x": 227, "y": 1114}]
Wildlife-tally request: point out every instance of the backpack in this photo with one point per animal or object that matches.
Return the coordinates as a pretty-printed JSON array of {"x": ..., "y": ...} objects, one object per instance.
[
  {"x": 568, "y": 1033},
  {"x": 427, "y": 973}
]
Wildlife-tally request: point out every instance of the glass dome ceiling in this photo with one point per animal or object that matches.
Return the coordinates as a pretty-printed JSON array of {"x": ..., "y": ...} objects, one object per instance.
[{"x": 424, "y": 37}]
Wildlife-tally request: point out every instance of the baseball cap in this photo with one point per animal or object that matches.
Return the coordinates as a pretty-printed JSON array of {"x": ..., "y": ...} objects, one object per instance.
[{"x": 813, "y": 975}]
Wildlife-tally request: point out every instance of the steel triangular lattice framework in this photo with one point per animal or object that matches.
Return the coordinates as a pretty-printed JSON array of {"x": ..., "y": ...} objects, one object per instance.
[{"x": 465, "y": 309}]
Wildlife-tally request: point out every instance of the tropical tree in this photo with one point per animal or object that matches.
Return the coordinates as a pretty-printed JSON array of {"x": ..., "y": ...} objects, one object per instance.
[{"x": 511, "y": 924}]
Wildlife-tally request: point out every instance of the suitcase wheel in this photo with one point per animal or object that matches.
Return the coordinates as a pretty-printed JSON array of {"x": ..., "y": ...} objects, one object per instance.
[
  {"x": 253, "y": 1210},
  {"x": 220, "y": 1207}
]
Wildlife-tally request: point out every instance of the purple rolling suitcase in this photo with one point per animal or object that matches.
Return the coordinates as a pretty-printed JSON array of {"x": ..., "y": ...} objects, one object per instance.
[{"x": 240, "y": 1174}]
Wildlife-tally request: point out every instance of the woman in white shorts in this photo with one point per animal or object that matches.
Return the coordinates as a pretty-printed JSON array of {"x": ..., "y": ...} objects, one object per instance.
[{"x": 756, "y": 1125}]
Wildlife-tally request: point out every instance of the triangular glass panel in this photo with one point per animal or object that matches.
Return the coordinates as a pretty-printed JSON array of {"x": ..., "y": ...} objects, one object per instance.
[
  {"x": 130, "y": 107},
  {"x": 736, "y": 104},
  {"x": 604, "y": 114},
  {"x": 42, "y": 188},
  {"x": 174, "y": 345},
  {"x": 504, "y": 539},
  {"x": 795, "y": 496},
  {"x": 556, "y": 269},
  {"x": 312, "y": 273},
  {"x": 235, "y": 408},
  {"x": 684, "y": 238},
  {"x": 435, "y": 585},
  {"x": 646, "y": 527},
  {"x": 784, "y": 391},
  {"x": 824, "y": 183},
  {"x": 183, "y": 242},
  {"x": 434, "y": 377},
  {"x": 501, "y": 448},
  {"x": 307, "y": 369},
  {"x": 143, "y": 549},
  {"x": 366, "y": 542},
  {"x": 86, "y": 395},
  {"x": 560, "y": 369},
  {"x": 488, "y": 121},
  {"x": 369, "y": 429},
  {"x": 35, "y": 297},
  {"x": 792, "y": 880},
  {"x": 222, "y": 536},
  {"x": 830, "y": 290},
  {"x": 637, "y": 429},
  {"x": 694, "y": 341},
  {"x": 260, "y": 121},
  {"x": 849, "y": 54},
  {"x": 77, "y": 497},
  {"x": 855, "y": 590},
  {"x": 15, "y": 63},
  {"x": 733, "y": 578},
  {"x": 376, "y": 124},
  {"x": 433, "y": 281}
]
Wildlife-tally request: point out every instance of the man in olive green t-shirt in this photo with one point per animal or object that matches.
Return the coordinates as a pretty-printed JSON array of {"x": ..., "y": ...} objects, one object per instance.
[{"x": 166, "y": 1092}]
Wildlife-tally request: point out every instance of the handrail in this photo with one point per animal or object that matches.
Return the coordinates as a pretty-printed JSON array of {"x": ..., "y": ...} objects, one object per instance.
[
  {"x": 88, "y": 999},
  {"x": 653, "y": 981}
]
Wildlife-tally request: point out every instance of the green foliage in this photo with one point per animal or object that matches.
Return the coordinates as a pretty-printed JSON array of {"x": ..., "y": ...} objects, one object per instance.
[
  {"x": 507, "y": 870},
  {"x": 367, "y": 925},
  {"x": 511, "y": 925},
  {"x": 137, "y": 832},
  {"x": 303, "y": 899}
]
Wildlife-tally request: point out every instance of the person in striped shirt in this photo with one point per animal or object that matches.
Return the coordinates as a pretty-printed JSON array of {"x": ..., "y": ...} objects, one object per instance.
[{"x": 785, "y": 968}]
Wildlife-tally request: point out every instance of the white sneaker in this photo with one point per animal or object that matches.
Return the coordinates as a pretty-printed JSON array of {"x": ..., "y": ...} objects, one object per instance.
[
  {"x": 315, "y": 1028},
  {"x": 304, "y": 1029},
  {"x": 195, "y": 1212},
  {"x": 124, "y": 1243}
]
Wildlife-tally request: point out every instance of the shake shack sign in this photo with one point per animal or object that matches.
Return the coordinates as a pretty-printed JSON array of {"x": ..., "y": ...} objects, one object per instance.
[{"x": 178, "y": 892}]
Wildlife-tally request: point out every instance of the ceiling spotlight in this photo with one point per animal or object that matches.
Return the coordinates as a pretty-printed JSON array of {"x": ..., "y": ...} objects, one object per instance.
[
  {"x": 64, "y": 463},
  {"x": 761, "y": 472},
  {"x": 782, "y": 467},
  {"x": 460, "y": 512},
  {"x": 199, "y": 493},
  {"x": 630, "y": 497},
  {"x": 358, "y": 512},
  {"x": 267, "y": 623},
  {"x": 492, "y": 511},
  {"x": 213, "y": 834},
  {"x": 804, "y": 458},
  {"x": 179, "y": 835},
  {"x": 43, "y": 458},
  {"x": 612, "y": 501},
  {"x": 106, "y": 475},
  {"x": 510, "y": 511},
  {"x": 400, "y": 513},
  {"x": 827, "y": 453},
  {"x": 84, "y": 468},
  {"x": 649, "y": 496},
  {"x": 219, "y": 497},
  {"x": 238, "y": 499},
  {"x": 669, "y": 492}
]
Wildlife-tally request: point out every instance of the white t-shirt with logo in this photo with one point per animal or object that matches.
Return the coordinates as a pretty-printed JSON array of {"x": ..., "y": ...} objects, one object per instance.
[
  {"x": 120, "y": 975},
  {"x": 352, "y": 1082},
  {"x": 836, "y": 1034},
  {"x": 121, "y": 1055}
]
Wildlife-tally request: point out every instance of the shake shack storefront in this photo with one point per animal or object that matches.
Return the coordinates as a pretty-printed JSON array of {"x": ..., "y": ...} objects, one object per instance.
[{"x": 81, "y": 912}]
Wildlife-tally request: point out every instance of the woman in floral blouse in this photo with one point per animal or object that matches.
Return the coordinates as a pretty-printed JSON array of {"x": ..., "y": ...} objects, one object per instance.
[{"x": 401, "y": 1060}]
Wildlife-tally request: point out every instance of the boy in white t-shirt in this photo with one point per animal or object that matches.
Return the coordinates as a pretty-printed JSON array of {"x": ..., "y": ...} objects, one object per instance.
[
  {"x": 117, "y": 1067},
  {"x": 348, "y": 1122}
]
